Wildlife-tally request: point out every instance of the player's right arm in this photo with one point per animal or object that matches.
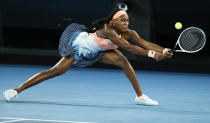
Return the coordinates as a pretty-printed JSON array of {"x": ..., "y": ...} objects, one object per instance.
[{"x": 121, "y": 42}]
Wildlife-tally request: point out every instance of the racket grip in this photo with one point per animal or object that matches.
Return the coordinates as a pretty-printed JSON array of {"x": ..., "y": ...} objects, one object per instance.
[
  {"x": 171, "y": 51},
  {"x": 175, "y": 51}
]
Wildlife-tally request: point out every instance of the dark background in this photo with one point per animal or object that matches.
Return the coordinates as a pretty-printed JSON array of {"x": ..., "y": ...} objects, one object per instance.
[{"x": 30, "y": 29}]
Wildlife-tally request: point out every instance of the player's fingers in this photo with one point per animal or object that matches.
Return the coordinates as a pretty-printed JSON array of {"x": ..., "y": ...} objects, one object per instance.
[{"x": 169, "y": 53}]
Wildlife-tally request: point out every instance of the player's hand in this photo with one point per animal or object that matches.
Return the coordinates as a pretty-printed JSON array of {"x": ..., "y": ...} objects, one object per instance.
[
  {"x": 161, "y": 56},
  {"x": 169, "y": 53}
]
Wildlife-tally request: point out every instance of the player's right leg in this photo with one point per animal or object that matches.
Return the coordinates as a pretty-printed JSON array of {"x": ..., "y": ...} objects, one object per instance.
[
  {"x": 61, "y": 67},
  {"x": 115, "y": 57}
]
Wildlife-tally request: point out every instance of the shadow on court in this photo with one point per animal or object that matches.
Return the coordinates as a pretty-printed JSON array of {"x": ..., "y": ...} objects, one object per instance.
[
  {"x": 116, "y": 106},
  {"x": 163, "y": 108}
]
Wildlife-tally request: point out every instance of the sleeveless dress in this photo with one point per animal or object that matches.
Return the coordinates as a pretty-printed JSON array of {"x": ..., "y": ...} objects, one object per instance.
[{"x": 87, "y": 48}]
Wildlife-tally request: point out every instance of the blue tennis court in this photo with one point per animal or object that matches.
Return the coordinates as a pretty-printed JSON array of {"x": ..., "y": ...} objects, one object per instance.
[{"x": 84, "y": 95}]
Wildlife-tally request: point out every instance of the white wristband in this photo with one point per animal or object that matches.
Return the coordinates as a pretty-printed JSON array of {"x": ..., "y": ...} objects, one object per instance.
[
  {"x": 165, "y": 50},
  {"x": 151, "y": 54}
]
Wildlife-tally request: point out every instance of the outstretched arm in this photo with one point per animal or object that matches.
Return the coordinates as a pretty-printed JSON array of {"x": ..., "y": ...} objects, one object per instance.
[
  {"x": 121, "y": 42},
  {"x": 148, "y": 45}
]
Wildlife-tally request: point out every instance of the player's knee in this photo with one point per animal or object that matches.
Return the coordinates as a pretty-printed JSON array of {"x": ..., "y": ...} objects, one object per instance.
[{"x": 56, "y": 71}]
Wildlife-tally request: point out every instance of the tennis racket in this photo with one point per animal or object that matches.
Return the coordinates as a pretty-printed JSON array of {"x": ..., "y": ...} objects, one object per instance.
[{"x": 191, "y": 40}]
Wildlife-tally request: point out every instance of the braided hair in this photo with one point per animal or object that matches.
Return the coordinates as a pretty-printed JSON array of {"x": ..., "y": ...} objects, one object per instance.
[{"x": 97, "y": 24}]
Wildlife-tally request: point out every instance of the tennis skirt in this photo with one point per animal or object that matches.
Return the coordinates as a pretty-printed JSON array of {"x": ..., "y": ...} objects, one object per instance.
[{"x": 66, "y": 49}]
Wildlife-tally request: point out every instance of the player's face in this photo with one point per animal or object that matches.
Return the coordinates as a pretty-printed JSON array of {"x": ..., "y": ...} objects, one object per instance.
[{"x": 121, "y": 23}]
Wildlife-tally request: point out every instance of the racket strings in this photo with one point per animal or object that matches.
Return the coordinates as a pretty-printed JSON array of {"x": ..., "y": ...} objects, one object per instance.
[{"x": 192, "y": 40}]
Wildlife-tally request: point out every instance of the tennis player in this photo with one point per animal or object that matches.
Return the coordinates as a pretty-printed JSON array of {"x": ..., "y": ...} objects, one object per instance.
[{"x": 80, "y": 47}]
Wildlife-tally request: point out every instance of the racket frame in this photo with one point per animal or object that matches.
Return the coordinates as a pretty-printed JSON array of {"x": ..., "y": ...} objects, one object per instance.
[{"x": 183, "y": 50}]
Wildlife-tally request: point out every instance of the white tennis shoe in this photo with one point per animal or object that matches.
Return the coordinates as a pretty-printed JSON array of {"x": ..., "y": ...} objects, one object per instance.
[
  {"x": 9, "y": 94},
  {"x": 145, "y": 100}
]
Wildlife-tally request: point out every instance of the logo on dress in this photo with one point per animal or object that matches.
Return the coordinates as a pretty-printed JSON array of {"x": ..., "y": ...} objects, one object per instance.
[{"x": 103, "y": 43}]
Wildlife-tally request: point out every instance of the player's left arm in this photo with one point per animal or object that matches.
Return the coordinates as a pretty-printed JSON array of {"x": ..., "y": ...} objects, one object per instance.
[{"x": 133, "y": 35}]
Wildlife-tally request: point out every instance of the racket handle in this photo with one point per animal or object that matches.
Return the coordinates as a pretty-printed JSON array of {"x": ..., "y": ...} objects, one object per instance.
[
  {"x": 171, "y": 51},
  {"x": 177, "y": 51}
]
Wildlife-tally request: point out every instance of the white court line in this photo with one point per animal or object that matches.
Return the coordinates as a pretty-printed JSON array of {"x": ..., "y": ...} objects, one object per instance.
[
  {"x": 22, "y": 119},
  {"x": 10, "y": 121}
]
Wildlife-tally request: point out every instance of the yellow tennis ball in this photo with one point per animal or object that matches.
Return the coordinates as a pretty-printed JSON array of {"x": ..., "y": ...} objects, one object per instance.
[{"x": 178, "y": 25}]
